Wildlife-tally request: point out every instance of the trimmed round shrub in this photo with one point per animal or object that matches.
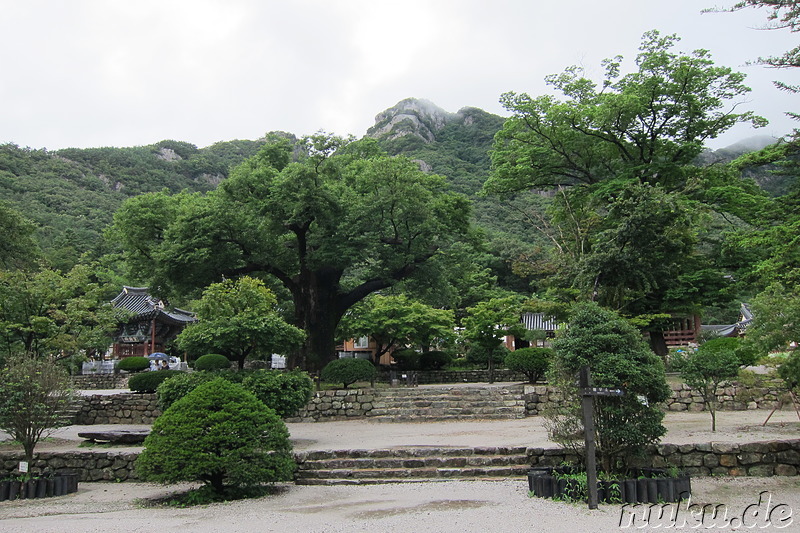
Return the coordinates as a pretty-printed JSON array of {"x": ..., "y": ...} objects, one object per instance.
[
  {"x": 533, "y": 362},
  {"x": 133, "y": 364},
  {"x": 407, "y": 359},
  {"x": 285, "y": 392},
  {"x": 218, "y": 434},
  {"x": 348, "y": 371},
  {"x": 212, "y": 361},
  {"x": 434, "y": 360},
  {"x": 176, "y": 388},
  {"x": 149, "y": 381}
]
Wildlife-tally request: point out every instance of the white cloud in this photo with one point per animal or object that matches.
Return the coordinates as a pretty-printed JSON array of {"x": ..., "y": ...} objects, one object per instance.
[{"x": 112, "y": 72}]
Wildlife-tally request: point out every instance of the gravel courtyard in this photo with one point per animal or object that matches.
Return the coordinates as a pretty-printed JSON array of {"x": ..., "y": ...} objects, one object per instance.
[{"x": 451, "y": 506}]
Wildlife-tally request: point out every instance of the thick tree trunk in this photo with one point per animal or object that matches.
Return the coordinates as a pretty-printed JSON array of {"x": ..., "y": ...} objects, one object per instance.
[
  {"x": 658, "y": 344},
  {"x": 318, "y": 310}
]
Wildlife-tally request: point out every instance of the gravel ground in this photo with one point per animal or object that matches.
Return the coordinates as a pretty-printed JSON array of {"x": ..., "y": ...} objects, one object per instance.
[{"x": 453, "y": 506}]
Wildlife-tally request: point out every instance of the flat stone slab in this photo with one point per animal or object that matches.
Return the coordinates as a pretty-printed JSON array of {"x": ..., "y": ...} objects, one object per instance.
[{"x": 130, "y": 436}]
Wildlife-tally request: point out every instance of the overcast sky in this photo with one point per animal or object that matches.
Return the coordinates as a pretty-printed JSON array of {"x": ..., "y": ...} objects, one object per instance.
[{"x": 87, "y": 73}]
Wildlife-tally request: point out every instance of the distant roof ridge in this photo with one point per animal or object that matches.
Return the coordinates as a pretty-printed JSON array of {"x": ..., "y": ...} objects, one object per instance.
[{"x": 140, "y": 302}]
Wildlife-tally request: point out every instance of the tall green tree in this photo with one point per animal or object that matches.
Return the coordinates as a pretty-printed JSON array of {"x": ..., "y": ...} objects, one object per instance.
[
  {"x": 619, "y": 359},
  {"x": 620, "y": 156},
  {"x": 648, "y": 125},
  {"x": 488, "y": 323},
  {"x": 47, "y": 313},
  {"x": 341, "y": 221},
  {"x": 33, "y": 396},
  {"x": 714, "y": 364},
  {"x": 398, "y": 322},
  {"x": 238, "y": 319}
]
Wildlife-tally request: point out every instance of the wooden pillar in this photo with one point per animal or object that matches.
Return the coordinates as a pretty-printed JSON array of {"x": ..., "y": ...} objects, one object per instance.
[
  {"x": 153, "y": 335},
  {"x": 587, "y": 402}
]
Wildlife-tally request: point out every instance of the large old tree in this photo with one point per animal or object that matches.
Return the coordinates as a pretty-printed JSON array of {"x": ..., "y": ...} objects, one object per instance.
[
  {"x": 620, "y": 157},
  {"x": 331, "y": 220}
]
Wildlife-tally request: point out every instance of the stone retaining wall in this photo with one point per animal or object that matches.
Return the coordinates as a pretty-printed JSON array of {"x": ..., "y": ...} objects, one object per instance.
[
  {"x": 90, "y": 465},
  {"x": 342, "y": 404},
  {"x": 125, "y": 408},
  {"x": 130, "y": 408},
  {"x": 736, "y": 397},
  {"x": 425, "y": 377},
  {"x": 100, "y": 381},
  {"x": 760, "y": 459}
]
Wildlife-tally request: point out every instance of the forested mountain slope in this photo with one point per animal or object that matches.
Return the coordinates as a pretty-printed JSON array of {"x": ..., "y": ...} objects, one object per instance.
[{"x": 71, "y": 194}]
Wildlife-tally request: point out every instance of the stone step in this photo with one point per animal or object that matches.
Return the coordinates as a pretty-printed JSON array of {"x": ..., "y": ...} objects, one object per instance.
[
  {"x": 449, "y": 393},
  {"x": 412, "y": 452},
  {"x": 421, "y": 462},
  {"x": 410, "y": 464},
  {"x": 399, "y": 414},
  {"x": 443, "y": 402},
  {"x": 406, "y": 474},
  {"x": 441, "y": 417}
]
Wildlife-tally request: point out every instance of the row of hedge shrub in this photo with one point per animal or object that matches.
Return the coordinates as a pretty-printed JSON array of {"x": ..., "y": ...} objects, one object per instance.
[{"x": 285, "y": 392}]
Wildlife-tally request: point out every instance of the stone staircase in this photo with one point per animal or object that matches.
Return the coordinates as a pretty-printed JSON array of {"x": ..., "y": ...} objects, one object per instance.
[
  {"x": 450, "y": 403},
  {"x": 68, "y": 415},
  {"x": 414, "y": 464}
]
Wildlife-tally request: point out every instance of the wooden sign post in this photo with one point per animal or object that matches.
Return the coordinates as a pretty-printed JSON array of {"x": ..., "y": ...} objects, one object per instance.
[{"x": 588, "y": 393}]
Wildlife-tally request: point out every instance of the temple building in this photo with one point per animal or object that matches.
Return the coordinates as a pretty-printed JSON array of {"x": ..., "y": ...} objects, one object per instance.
[{"x": 149, "y": 324}]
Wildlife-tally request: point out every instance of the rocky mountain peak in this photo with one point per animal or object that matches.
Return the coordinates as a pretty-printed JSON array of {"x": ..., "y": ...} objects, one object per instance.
[{"x": 412, "y": 116}]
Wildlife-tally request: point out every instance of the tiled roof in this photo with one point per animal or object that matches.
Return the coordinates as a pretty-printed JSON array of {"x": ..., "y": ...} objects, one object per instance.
[
  {"x": 538, "y": 321},
  {"x": 139, "y": 302}
]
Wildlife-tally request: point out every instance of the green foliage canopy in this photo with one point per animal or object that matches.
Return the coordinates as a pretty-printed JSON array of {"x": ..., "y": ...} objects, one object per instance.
[
  {"x": 713, "y": 364},
  {"x": 218, "y": 434},
  {"x": 348, "y": 371},
  {"x": 398, "y": 321},
  {"x": 340, "y": 222},
  {"x": 776, "y": 319},
  {"x": 45, "y": 312},
  {"x": 239, "y": 318},
  {"x": 620, "y": 155},
  {"x": 618, "y": 358},
  {"x": 33, "y": 396}
]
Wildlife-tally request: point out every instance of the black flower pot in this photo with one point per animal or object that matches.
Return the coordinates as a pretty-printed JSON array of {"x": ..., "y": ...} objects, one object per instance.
[
  {"x": 4, "y": 488},
  {"x": 652, "y": 491},
  {"x": 14, "y": 490},
  {"x": 641, "y": 489},
  {"x": 649, "y": 486},
  {"x": 72, "y": 482},
  {"x": 630, "y": 495},
  {"x": 41, "y": 488},
  {"x": 59, "y": 486}
]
